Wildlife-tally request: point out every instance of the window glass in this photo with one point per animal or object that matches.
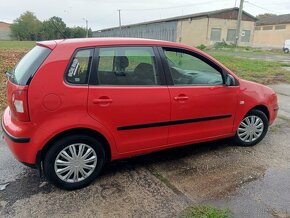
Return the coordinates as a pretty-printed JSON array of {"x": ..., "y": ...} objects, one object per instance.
[
  {"x": 189, "y": 70},
  {"x": 80, "y": 66},
  {"x": 29, "y": 64},
  {"x": 215, "y": 34},
  {"x": 231, "y": 35},
  {"x": 245, "y": 35},
  {"x": 127, "y": 66}
]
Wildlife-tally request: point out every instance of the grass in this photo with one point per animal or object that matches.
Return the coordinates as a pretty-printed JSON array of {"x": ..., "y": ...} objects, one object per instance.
[
  {"x": 206, "y": 212},
  {"x": 266, "y": 72},
  {"x": 17, "y": 44}
]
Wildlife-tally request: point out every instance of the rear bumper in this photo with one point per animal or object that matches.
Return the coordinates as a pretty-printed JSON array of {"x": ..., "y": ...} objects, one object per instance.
[{"x": 18, "y": 138}]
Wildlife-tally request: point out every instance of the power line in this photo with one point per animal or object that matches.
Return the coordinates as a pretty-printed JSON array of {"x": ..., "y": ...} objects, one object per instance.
[
  {"x": 259, "y": 7},
  {"x": 172, "y": 7}
]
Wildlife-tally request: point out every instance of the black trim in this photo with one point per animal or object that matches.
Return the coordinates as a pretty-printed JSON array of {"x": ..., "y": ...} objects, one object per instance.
[
  {"x": 174, "y": 122},
  {"x": 13, "y": 138}
]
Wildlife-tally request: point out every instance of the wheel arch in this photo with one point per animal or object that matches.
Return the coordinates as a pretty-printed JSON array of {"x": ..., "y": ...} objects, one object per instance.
[
  {"x": 86, "y": 131},
  {"x": 262, "y": 108}
]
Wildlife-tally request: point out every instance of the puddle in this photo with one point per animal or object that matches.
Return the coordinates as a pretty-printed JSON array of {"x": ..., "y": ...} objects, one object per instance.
[{"x": 268, "y": 196}]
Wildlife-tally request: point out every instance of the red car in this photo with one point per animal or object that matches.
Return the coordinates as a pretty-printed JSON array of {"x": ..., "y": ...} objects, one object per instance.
[{"x": 75, "y": 104}]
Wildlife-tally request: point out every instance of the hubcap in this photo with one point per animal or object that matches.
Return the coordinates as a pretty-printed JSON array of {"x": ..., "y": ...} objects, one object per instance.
[
  {"x": 75, "y": 162},
  {"x": 250, "y": 129}
]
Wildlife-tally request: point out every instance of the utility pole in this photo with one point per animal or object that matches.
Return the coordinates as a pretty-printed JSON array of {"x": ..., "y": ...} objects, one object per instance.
[
  {"x": 237, "y": 37},
  {"x": 87, "y": 27},
  {"x": 120, "y": 23}
]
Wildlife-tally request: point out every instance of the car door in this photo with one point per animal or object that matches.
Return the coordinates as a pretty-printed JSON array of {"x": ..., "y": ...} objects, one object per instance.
[
  {"x": 128, "y": 95},
  {"x": 202, "y": 106}
]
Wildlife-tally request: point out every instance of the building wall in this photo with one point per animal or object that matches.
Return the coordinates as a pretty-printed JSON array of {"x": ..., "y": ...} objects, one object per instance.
[
  {"x": 198, "y": 31},
  {"x": 162, "y": 31},
  {"x": 5, "y": 32},
  {"x": 271, "y": 36}
]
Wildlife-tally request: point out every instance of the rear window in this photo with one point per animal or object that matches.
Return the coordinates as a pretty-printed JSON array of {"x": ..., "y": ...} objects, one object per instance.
[{"x": 28, "y": 65}]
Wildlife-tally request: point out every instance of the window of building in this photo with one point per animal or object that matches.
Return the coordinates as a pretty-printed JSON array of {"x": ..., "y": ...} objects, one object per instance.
[
  {"x": 267, "y": 27},
  {"x": 215, "y": 34},
  {"x": 280, "y": 27},
  {"x": 188, "y": 70},
  {"x": 231, "y": 35},
  {"x": 80, "y": 66},
  {"x": 127, "y": 66},
  {"x": 257, "y": 28},
  {"x": 245, "y": 35}
]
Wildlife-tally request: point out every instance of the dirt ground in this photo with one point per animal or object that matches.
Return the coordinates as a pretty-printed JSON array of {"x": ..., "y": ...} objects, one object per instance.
[{"x": 251, "y": 182}]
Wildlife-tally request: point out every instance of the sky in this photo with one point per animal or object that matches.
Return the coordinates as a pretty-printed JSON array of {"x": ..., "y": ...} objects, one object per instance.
[{"x": 104, "y": 14}]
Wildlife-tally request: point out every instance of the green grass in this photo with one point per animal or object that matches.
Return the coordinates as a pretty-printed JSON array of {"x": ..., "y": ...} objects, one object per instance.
[
  {"x": 206, "y": 212},
  {"x": 261, "y": 71},
  {"x": 17, "y": 44}
]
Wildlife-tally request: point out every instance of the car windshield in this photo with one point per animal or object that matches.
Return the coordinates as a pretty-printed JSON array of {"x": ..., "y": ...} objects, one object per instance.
[{"x": 28, "y": 65}]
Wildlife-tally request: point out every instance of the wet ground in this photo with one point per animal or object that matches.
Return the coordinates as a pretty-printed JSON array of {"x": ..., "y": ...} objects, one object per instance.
[{"x": 251, "y": 182}]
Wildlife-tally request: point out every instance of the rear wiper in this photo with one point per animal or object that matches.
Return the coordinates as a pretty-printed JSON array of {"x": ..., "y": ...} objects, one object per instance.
[{"x": 9, "y": 74}]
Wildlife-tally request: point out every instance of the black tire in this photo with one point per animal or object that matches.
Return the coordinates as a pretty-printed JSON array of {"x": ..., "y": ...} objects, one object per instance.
[
  {"x": 58, "y": 146},
  {"x": 286, "y": 50},
  {"x": 265, "y": 121}
]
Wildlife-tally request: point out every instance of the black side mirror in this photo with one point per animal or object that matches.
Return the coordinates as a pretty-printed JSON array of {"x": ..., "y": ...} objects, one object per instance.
[{"x": 230, "y": 80}]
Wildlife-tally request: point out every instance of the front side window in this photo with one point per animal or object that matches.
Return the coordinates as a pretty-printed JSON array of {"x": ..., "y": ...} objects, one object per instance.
[
  {"x": 188, "y": 70},
  {"x": 127, "y": 66},
  {"x": 79, "y": 68}
]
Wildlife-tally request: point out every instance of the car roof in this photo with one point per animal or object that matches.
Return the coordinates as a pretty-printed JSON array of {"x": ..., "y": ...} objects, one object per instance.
[{"x": 86, "y": 42}]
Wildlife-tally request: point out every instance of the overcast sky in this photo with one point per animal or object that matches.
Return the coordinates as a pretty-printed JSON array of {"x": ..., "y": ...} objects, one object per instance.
[{"x": 103, "y": 13}]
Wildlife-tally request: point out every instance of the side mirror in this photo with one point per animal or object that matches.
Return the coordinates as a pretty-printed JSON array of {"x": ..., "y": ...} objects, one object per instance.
[{"x": 230, "y": 80}]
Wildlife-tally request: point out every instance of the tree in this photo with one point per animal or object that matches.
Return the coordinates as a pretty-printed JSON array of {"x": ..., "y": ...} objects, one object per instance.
[
  {"x": 260, "y": 16},
  {"x": 53, "y": 28},
  {"x": 26, "y": 27}
]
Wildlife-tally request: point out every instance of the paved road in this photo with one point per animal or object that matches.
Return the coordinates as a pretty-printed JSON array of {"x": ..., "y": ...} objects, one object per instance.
[{"x": 251, "y": 182}]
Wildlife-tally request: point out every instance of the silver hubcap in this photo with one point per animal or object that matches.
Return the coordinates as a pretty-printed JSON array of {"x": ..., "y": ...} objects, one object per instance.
[
  {"x": 250, "y": 129},
  {"x": 75, "y": 163}
]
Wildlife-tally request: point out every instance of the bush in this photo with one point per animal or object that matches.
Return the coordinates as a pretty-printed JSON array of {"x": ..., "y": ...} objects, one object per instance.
[{"x": 201, "y": 47}]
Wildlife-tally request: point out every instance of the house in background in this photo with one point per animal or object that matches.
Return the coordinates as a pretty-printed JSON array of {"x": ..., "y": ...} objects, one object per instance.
[
  {"x": 203, "y": 28},
  {"x": 5, "y": 32},
  {"x": 272, "y": 31}
]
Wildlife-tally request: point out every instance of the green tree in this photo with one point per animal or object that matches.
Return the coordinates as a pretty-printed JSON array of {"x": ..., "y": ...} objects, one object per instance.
[
  {"x": 26, "y": 27},
  {"x": 265, "y": 15},
  {"x": 53, "y": 28}
]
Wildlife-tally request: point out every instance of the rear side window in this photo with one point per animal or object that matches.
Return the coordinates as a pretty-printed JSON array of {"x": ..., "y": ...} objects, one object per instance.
[
  {"x": 28, "y": 65},
  {"x": 79, "y": 67},
  {"x": 127, "y": 66}
]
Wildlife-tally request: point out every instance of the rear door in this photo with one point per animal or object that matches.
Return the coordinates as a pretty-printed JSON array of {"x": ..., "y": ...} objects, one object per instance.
[
  {"x": 202, "y": 106},
  {"x": 127, "y": 94}
]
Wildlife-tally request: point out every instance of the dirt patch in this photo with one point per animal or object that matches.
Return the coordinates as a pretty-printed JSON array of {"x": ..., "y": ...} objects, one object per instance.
[{"x": 8, "y": 59}]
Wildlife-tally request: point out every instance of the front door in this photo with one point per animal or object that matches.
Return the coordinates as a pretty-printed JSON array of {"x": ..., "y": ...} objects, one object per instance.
[
  {"x": 128, "y": 96},
  {"x": 202, "y": 106}
]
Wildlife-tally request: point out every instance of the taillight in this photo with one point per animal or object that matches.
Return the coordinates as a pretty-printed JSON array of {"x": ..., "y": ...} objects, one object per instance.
[{"x": 19, "y": 106}]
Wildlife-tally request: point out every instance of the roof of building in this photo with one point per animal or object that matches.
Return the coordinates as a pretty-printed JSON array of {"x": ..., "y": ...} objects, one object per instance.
[
  {"x": 198, "y": 15},
  {"x": 275, "y": 19},
  {"x": 5, "y": 23}
]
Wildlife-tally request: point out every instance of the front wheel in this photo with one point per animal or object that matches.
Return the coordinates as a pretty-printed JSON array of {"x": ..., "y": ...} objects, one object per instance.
[
  {"x": 252, "y": 129},
  {"x": 74, "y": 161},
  {"x": 286, "y": 50}
]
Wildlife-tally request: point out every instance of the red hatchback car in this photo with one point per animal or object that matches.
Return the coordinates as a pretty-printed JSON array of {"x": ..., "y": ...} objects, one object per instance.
[{"x": 76, "y": 103}]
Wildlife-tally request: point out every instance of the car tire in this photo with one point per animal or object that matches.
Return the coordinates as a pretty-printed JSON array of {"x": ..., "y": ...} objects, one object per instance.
[
  {"x": 73, "y": 162},
  {"x": 286, "y": 50},
  {"x": 252, "y": 129}
]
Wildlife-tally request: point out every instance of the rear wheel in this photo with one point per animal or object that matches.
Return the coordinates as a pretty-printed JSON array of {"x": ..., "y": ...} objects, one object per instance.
[
  {"x": 286, "y": 50},
  {"x": 74, "y": 161},
  {"x": 252, "y": 129}
]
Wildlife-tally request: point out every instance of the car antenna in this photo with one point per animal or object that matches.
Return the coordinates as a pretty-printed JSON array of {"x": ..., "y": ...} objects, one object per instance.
[{"x": 57, "y": 28}]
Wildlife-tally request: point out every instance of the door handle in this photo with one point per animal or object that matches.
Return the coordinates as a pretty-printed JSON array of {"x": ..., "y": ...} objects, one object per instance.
[
  {"x": 180, "y": 98},
  {"x": 102, "y": 101}
]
